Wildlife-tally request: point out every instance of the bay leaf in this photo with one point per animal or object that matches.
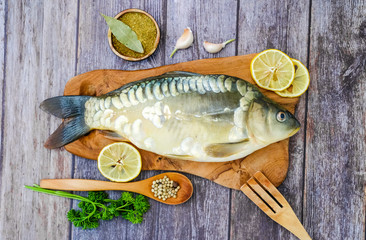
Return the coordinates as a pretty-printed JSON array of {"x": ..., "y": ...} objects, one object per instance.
[{"x": 124, "y": 34}]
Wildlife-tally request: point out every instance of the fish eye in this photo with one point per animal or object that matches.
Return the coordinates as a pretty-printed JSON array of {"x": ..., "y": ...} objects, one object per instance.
[{"x": 281, "y": 116}]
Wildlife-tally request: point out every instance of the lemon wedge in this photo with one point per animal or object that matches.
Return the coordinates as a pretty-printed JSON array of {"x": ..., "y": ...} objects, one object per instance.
[
  {"x": 272, "y": 70},
  {"x": 301, "y": 81},
  {"x": 119, "y": 162}
]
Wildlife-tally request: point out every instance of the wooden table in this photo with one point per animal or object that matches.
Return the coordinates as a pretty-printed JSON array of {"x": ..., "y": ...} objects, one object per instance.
[{"x": 45, "y": 43}]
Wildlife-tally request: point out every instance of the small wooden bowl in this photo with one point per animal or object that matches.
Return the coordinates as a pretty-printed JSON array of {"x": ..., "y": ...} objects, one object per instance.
[{"x": 156, "y": 40}]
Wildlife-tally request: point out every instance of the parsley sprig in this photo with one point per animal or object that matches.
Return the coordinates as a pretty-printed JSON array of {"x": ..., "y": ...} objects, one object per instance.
[{"x": 98, "y": 206}]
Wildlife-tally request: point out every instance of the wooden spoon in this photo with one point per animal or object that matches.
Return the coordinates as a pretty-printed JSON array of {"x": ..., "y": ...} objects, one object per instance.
[{"x": 142, "y": 187}]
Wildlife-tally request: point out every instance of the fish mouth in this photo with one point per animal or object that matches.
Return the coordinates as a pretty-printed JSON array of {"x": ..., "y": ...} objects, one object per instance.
[{"x": 294, "y": 131}]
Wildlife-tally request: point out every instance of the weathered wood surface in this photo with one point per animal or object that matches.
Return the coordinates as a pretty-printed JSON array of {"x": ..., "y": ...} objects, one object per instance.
[
  {"x": 335, "y": 173},
  {"x": 44, "y": 43},
  {"x": 38, "y": 62},
  {"x": 2, "y": 73}
]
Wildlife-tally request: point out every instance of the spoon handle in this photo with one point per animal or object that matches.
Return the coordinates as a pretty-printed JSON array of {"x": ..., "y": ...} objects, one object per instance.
[{"x": 87, "y": 185}]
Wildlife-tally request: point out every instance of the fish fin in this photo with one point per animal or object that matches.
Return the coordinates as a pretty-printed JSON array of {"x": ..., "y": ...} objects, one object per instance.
[
  {"x": 73, "y": 127},
  {"x": 179, "y": 73},
  {"x": 164, "y": 75},
  {"x": 70, "y": 130},
  {"x": 65, "y": 106},
  {"x": 177, "y": 156},
  {"x": 112, "y": 135},
  {"x": 225, "y": 149}
]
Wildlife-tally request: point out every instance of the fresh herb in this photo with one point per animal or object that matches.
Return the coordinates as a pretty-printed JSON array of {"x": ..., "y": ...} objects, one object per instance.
[
  {"x": 124, "y": 34},
  {"x": 98, "y": 206}
]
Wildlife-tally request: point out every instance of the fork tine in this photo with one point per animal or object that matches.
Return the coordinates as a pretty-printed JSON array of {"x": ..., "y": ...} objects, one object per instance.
[
  {"x": 270, "y": 188},
  {"x": 252, "y": 196},
  {"x": 264, "y": 195},
  {"x": 286, "y": 217}
]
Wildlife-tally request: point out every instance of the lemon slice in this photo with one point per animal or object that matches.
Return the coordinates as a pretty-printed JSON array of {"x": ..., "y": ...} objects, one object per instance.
[
  {"x": 119, "y": 162},
  {"x": 272, "y": 70},
  {"x": 301, "y": 81}
]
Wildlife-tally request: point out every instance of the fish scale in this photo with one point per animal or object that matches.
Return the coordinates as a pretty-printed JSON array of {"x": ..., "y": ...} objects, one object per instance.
[
  {"x": 167, "y": 87},
  {"x": 162, "y": 89},
  {"x": 170, "y": 87},
  {"x": 180, "y": 115}
]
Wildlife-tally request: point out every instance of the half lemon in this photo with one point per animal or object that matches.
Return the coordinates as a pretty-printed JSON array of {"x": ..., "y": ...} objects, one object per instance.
[
  {"x": 272, "y": 70},
  {"x": 119, "y": 162},
  {"x": 300, "y": 83}
]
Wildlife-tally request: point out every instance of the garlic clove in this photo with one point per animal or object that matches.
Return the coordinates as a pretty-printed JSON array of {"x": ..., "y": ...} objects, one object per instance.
[
  {"x": 185, "y": 41},
  {"x": 215, "y": 47}
]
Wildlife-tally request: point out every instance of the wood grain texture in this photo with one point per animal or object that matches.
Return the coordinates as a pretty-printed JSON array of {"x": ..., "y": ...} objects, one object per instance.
[
  {"x": 94, "y": 53},
  {"x": 40, "y": 57},
  {"x": 3, "y": 6},
  {"x": 264, "y": 25},
  {"x": 335, "y": 168},
  {"x": 266, "y": 196}
]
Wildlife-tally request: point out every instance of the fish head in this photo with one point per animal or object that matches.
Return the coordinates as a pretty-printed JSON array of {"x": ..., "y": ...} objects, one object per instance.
[{"x": 268, "y": 122}]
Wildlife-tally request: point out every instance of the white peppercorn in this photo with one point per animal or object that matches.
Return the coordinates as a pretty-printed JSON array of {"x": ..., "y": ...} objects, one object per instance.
[{"x": 165, "y": 188}]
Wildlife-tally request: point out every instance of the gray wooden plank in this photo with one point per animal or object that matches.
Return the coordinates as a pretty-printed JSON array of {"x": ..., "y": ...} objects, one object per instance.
[
  {"x": 282, "y": 25},
  {"x": 3, "y": 6},
  {"x": 40, "y": 55},
  {"x": 210, "y": 21},
  {"x": 94, "y": 53},
  {"x": 206, "y": 214},
  {"x": 335, "y": 177}
]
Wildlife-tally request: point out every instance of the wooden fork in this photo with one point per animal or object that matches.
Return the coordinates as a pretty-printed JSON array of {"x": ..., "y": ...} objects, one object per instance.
[{"x": 266, "y": 196}]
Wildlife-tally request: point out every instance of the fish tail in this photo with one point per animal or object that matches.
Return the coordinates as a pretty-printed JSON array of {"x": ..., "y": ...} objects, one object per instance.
[{"x": 72, "y": 109}]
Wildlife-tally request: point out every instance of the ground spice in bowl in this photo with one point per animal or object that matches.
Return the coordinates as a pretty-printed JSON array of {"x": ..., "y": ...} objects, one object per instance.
[{"x": 147, "y": 32}]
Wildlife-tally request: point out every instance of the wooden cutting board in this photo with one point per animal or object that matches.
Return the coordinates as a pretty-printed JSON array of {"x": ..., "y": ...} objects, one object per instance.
[{"x": 271, "y": 160}]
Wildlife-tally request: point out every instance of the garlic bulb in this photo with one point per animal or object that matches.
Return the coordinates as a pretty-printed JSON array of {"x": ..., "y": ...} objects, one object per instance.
[
  {"x": 184, "y": 41},
  {"x": 215, "y": 47}
]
